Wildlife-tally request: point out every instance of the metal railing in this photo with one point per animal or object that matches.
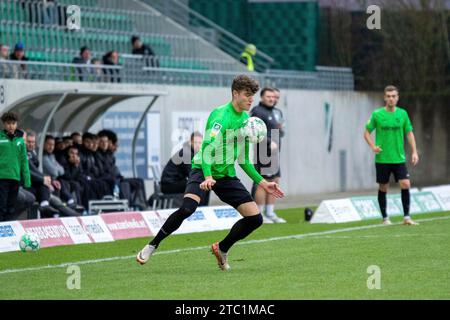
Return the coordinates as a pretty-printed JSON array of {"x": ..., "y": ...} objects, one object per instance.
[
  {"x": 137, "y": 69},
  {"x": 208, "y": 30}
]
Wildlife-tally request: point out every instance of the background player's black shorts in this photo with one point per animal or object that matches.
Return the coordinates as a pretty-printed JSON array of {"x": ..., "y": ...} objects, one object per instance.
[
  {"x": 384, "y": 171},
  {"x": 229, "y": 190}
]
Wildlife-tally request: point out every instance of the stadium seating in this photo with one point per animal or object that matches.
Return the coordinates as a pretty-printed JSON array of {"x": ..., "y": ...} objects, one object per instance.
[{"x": 103, "y": 29}]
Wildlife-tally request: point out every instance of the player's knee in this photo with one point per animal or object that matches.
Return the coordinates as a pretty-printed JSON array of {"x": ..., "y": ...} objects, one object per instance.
[
  {"x": 188, "y": 206},
  {"x": 383, "y": 187},
  {"x": 405, "y": 184},
  {"x": 255, "y": 221}
]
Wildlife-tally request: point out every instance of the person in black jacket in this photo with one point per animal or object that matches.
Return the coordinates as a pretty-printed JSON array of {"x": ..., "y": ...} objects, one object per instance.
[
  {"x": 42, "y": 185},
  {"x": 268, "y": 151},
  {"x": 176, "y": 172},
  {"x": 145, "y": 50},
  {"x": 111, "y": 58}
]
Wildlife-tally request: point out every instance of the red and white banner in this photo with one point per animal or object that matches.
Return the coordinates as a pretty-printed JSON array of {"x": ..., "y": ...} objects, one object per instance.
[
  {"x": 10, "y": 234},
  {"x": 76, "y": 230},
  {"x": 124, "y": 225},
  {"x": 51, "y": 232},
  {"x": 96, "y": 228}
]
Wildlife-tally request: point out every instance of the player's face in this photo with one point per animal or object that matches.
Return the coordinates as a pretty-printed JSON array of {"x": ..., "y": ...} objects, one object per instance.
[
  {"x": 243, "y": 99},
  {"x": 10, "y": 126},
  {"x": 268, "y": 98},
  {"x": 391, "y": 98}
]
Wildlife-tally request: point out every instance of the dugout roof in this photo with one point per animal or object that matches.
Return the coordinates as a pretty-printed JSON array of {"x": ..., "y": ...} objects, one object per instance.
[{"x": 64, "y": 111}]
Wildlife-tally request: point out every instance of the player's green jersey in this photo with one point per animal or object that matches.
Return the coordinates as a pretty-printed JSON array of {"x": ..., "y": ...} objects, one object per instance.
[
  {"x": 222, "y": 146},
  {"x": 390, "y": 128}
]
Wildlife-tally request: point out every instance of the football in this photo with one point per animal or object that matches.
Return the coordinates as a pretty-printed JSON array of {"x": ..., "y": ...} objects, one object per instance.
[
  {"x": 29, "y": 242},
  {"x": 254, "y": 129}
]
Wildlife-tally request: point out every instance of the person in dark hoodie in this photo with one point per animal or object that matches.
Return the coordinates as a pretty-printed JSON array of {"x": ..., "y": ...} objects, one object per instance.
[
  {"x": 268, "y": 151},
  {"x": 13, "y": 165},
  {"x": 176, "y": 172}
]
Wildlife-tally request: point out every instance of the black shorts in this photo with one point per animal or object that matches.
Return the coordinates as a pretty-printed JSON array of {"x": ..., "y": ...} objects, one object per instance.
[
  {"x": 384, "y": 171},
  {"x": 229, "y": 189}
]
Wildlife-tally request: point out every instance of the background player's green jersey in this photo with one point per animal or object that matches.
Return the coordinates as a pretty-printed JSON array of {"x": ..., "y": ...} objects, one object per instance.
[
  {"x": 221, "y": 146},
  {"x": 391, "y": 128}
]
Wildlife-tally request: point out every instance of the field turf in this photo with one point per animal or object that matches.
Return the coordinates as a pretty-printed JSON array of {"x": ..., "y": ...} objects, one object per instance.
[{"x": 295, "y": 260}]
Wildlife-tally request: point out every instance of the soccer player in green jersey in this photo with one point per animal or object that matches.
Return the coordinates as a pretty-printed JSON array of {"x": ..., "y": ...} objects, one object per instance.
[
  {"x": 391, "y": 124},
  {"x": 213, "y": 169}
]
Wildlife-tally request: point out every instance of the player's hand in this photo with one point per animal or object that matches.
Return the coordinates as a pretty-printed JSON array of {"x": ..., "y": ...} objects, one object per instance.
[
  {"x": 377, "y": 149},
  {"x": 272, "y": 188},
  {"x": 48, "y": 181},
  {"x": 415, "y": 158},
  {"x": 56, "y": 184},
  {"x": 207, "y": 184}
]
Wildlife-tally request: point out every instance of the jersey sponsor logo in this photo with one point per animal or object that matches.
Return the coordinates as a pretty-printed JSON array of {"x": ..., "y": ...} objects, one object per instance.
[
  {"x": 390, "y": 128},
  {"x": 215, "y": 129},
  {"x": 3, "y": 141}
]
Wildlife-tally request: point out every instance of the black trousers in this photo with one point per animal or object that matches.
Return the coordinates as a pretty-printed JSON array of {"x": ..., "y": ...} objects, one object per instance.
[
  {"x": 9, "y": 190},
  {"x": 25, "y": 201}
]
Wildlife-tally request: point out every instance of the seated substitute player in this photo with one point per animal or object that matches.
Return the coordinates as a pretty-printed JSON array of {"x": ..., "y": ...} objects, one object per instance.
[
  {"x": 213, "y": 169},
  {"x": 391, "y": 123}
]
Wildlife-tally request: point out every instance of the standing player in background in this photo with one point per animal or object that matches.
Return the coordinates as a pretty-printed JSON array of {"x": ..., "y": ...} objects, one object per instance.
[
  {"x": 268, "y": 151},
  {"x": 213, "y": 169},
  {"x": 391, "y": 124}
]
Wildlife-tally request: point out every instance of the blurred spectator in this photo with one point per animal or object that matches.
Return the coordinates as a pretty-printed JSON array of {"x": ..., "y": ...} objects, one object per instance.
[
  {"x": 94, "y": 169},
  {"x": 49, "y": 12},
  {"x": 111, "y": 58},
  {"x": 19, "y": 55},
  {"x": 176, "y": 172},
  {"x": 5, "y": 69},
  {"x": 83, "y": 58},
  {"x": 76, "y": 138},
  {"x": 144, "y": 49},
  {"x": 247, "y": 56},
  {"x": 52, "y": 168},
  {"x": 132, "y": 189},
  {"x": 40, "y": 183},
  {"x": 97, "y": 75},
  {"x": 74, "y": 173},
  {"x": 13, "y": 165},
  {"x": 60, "y": 151}
]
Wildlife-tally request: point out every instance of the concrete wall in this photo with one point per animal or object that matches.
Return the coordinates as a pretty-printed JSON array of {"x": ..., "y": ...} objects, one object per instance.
[{"x": 307, "y": 165}]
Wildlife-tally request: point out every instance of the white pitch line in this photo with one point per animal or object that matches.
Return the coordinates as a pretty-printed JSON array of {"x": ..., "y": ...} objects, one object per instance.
[{"x": 295, "y": 236}]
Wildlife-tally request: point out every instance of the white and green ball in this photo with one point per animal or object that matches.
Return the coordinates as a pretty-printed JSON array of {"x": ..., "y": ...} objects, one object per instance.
[
  {"x": 254, "y": 129},
  {"x": 29, "y": 242}
]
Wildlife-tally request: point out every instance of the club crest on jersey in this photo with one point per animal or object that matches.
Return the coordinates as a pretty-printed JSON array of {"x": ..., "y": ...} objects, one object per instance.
[{"x": 215, "y": 129}]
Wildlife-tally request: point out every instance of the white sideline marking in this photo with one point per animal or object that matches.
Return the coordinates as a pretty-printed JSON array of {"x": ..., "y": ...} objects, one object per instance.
[{"x": 295, "y": 236}]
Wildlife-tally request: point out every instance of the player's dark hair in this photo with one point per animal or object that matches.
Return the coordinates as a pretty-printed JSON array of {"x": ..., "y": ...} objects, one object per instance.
[
  {"x": 76, "y": 133},
  {"x": 49, "y": 137},
  {"x": 265, "y": 89},
  {"x": 10, "y": 117},
  {"x": 390, "y": 88},
  {"x": 244, "y": 83}
]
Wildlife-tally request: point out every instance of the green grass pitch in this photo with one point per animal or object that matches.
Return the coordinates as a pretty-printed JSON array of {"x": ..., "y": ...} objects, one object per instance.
[{"x": 295, "y": 260}]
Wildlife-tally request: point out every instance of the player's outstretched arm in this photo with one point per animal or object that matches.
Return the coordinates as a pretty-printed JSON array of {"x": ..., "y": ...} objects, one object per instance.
[
  {"x": 272, "y": 188},
  {"x": 412, "y": 143}
]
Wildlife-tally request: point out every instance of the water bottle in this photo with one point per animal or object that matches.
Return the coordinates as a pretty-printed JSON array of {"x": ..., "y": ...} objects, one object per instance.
[{"x": 116, "y": 192}]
